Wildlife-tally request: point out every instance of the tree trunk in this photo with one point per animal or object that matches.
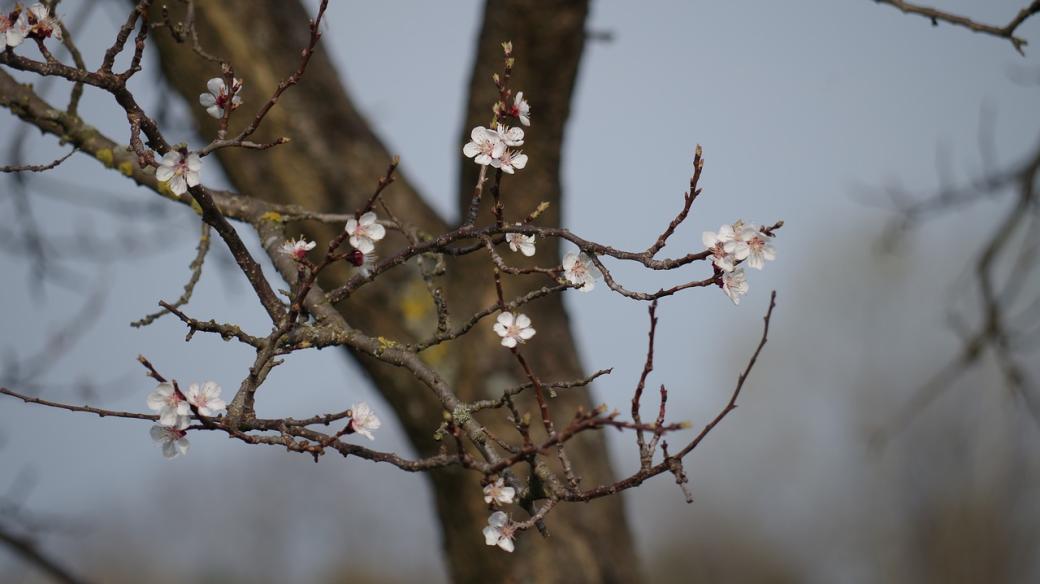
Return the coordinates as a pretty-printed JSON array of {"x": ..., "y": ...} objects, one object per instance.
[{"x": 333, "y": 163}]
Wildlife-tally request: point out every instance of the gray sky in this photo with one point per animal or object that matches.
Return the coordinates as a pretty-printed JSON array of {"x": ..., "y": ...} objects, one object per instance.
[{"x": 805, "y": 110}]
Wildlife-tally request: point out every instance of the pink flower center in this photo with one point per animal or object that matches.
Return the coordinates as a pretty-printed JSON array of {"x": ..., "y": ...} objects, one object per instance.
[{"x": 487, "y": 147}]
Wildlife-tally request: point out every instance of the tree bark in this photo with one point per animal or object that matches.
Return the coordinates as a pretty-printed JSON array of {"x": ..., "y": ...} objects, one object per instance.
[{"x": 333, "y": 163}]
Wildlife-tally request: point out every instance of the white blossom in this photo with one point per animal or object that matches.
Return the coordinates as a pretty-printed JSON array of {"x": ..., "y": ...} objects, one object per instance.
[
  {"x": 510, "y": 161},
  {"x": 759, "y": 248},
  {"x": 521, "y": 109},
  {"x": 40, "y": 23},
  {"x": 363, "y": 420},
  {"x": 735, "y": 285},
  {"x": 510, "y": 136},
  {"x": 578, "y": 270},
  {"x": 734, "y": 239},
  {"x": 297, "y": 248},
  {"x": 365, "y": 232},
  {"x": 217, "y": 98},
  {"x": 499, "y": 493},
  {"x": 179, "y": 170},
  {"x": 717, "y": 248},
  {"x": 206, "y": 399},
  {"x": 13, "y": 31},
  {"x": 165, "y": 400},
  {"x": 174, "y": 441},
  {"x": 499, "y": 532},
  {"x": 485, "y": 145},
  {"x": 512, "y": 329},
  {"x": 521, "y": 243}
]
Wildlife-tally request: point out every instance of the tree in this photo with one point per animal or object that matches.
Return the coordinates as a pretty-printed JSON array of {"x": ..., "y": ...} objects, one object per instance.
[
  {"x": 546, "y": 73},
  {"x": 440, "y": 395}
]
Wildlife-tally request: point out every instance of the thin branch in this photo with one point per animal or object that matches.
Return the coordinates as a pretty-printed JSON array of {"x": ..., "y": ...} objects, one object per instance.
[
  {"x": 36, "y": 167},
  {"x": 1005, "y": 32},
  {"x": 196, "y": 273}
]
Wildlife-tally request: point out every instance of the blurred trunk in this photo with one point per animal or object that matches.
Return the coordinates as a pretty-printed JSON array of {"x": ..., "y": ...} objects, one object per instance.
[{"x": 333, "y": 164}]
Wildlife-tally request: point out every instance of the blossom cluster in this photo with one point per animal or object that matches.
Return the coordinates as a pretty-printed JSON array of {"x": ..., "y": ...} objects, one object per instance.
[
  {"x": 499, "y": 531},
  {"x": 364, "y": 232},
  {"x": 180, "y": 168},
  {"x": 491, "y": 147},
  {"x": 735, "y": 244},
  {"x": 175, "y": 410},
  {"x": 494, "y": 147},
  {"x": 34, "y": 22}
]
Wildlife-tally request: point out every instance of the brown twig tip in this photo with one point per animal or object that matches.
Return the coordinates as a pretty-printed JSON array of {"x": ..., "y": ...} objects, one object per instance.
[{"x": 151, "y": 371}]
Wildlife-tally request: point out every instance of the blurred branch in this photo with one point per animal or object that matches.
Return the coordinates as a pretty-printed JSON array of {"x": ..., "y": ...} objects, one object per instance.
[
  {"x": 936, "y": 16},
  {"x": 27, "y": 550},
  {"x": 996, "y": 332}
]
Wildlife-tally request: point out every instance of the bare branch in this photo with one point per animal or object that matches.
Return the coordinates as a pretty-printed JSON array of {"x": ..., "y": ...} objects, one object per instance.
[
  {"x": 1005, "y": 32},
  {"x": 36, "y": 167}
]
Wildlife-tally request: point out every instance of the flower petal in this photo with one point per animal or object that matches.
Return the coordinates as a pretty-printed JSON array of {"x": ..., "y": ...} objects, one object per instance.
[
  {"x": 171, "y": 158},
  {"x": 498, "y": 519},
  {"x": 216, "y": 86},
  {"x": 376, "y": 232},
  {"x": 178, "y": 185},
  {"x": 490, "y": 535}
]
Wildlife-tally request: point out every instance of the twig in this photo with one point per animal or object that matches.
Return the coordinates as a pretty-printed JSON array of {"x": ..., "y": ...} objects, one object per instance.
[
  {"x": 196, "y": 273},
  {"x": 37, "y": 167},
  {"x": 1005, "y": 32}
]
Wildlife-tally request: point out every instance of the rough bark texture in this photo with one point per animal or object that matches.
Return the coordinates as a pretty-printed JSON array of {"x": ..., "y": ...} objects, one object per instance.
[{"x": 332, "y": 165}]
